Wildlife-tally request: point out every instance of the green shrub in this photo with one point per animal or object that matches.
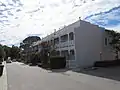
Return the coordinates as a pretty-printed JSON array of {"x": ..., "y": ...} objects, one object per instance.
[
  {"x": 2, "y": 53},
  {"x": 57, "y": 62}
]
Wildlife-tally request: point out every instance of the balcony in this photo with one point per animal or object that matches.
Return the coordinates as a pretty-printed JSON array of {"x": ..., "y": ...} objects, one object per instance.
[
  {"x": 57, "y": 46},
  {"x": 64, "y": 38},
  {"x": 71, "y": 43},
  {"x": 65, "y": 53},
  {"x": 64, "y": 44},
  {"x": 72, "y": 55}
]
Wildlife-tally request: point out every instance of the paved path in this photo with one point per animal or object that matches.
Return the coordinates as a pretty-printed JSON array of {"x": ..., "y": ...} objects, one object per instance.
[
  {"x": 3, "y": 79},
  {"x": 22, "y": 77}
]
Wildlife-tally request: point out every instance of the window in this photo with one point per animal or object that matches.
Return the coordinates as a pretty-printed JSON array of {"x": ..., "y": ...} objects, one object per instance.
[
  {"x": 71, "y": 36},
  {"x": 64, "y": 38},
  {"x": 58, "y": 53},
  {"x": 56, "y": 40},
  {"x": 72, "y": 55},
  {"x": 106, "y": 41},
  {"x": 72, "y": 52},
  {"x": 65, "y": 53},
  {"x": 51, "y": 42},
  {"x": 48, "y": 42}
]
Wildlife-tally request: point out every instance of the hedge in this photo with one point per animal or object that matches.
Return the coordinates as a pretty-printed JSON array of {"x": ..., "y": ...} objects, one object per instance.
[
  {"x": 57, "y": 62},
  {"x": 107, "y": 63}
]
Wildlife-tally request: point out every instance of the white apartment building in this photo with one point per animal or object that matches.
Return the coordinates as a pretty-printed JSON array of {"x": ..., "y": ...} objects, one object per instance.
[{"x": 82, "y": 43}]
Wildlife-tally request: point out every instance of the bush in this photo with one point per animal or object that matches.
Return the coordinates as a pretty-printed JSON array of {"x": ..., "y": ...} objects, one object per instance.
[
  {"x": 1, "y": 69},
  {"x": 57, "y": 62},
  {"x": 107, "y": 63},
  {"x": 2, "y": 54}
]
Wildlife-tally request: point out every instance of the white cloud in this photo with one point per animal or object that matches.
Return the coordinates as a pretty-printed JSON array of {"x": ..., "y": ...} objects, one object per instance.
[
  {"x": 43, "y": 16},
  {"x": 116, "y": 28}
]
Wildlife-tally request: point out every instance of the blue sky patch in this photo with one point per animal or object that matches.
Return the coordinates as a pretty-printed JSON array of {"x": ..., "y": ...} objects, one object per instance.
[{"x": 107, "y": 18}]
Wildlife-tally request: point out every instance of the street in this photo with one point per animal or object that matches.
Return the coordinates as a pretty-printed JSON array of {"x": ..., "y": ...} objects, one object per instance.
[{"x": 24, "y": 77}]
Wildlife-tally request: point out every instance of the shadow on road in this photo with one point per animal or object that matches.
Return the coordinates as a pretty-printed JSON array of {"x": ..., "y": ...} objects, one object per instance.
[
  {"x": 59, "y": 70},
  {"x": 109, "y": 72}
]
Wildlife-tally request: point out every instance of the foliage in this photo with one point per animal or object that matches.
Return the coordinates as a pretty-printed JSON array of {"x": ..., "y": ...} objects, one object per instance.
[
  {"x": 7, "y": 51},
  {"x": 115, "y": 42},
  {"x": 14, "y": 52},
  {"x": 2, "y": 53},
  {"x": 34, "y": 58},
  {"x": 27, "y": 54},
  {"x": 48, "y": 50},
  {"x": 57, "y": 62},
  {"x": 28, "y": 41},
  {"x": 31, "y": 39},
  {"x": 44, "y": 57}
]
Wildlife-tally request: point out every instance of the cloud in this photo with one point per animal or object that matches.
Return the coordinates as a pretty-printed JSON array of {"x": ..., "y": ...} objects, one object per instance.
[
  {"x": 2, "y": 41},
  {"x": 2, "y": 4},
  {"x": 54, "y": 5},
  {"x": 18, "y": 10},
  {"x": 3, "y": 17},
  {"x": 35, "y": 34},
  {"x": 1, "y": 13},
  {"x": 116, "y": 27},
  {"x": 108, "y": 18},
  {"x": 33, "y": 11},
  {"x": 20, "y": 18},
  {"x": 106, "y": 12}
]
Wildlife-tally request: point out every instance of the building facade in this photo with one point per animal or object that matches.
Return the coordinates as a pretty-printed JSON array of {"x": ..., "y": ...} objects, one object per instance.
[{"x": 82, "y": 43}]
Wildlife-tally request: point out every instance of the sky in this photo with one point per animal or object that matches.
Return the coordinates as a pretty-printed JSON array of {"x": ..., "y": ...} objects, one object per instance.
[{"x": 22, "y": 18}]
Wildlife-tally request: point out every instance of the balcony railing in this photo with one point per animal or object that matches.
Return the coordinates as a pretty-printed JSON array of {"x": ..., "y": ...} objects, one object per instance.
[
  {"x": 64, "y": 44},
  {"x": 71, "y": 43}
]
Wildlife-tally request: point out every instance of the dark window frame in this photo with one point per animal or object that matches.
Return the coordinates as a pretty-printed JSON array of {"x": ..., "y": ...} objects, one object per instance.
[
  {"x": 71, "y": 36},
  {"x": 106, "y": 41}
]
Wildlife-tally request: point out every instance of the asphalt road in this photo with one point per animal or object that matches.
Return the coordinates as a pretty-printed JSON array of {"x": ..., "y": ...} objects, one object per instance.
[{"x": 23, "y": 77}]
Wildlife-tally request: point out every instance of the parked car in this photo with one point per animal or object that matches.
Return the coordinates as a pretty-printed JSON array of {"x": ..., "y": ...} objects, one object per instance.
[
  {"x": 8, "y": 61},
  {"x": 39, "y": 64},
  {"x": 14, "y": 60}
]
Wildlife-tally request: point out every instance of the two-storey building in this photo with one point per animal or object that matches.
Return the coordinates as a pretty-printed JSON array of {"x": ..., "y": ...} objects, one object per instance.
[{"x": 82, "y": 43}]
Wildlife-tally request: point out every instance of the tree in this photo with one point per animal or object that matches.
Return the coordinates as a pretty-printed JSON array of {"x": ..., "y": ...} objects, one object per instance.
[
  {"x": 115, "y": 42},
  {"x": 47, "y": 51},
  {"x": 25, "y": 45},
  {"x": 14, "y": 52},
  {"x": 7, "y": 51},
  {"x": 2, "y": 53}
]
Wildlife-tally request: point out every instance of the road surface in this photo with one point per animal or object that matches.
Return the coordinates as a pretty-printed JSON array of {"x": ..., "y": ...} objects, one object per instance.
[{"x": 23, "y": 77}]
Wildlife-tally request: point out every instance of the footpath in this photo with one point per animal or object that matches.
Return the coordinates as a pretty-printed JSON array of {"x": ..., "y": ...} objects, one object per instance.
[{"x": 3, "y": 78}]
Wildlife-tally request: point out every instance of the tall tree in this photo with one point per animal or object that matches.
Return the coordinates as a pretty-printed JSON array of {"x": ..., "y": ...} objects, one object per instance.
[
  {"x": 115, "y": 42},
  {"x": 25, "y": 46},
  {"x": 14, "y": 52},
  {"x": 7, "y": 51},
  {"x": 2, "y": 53}
]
